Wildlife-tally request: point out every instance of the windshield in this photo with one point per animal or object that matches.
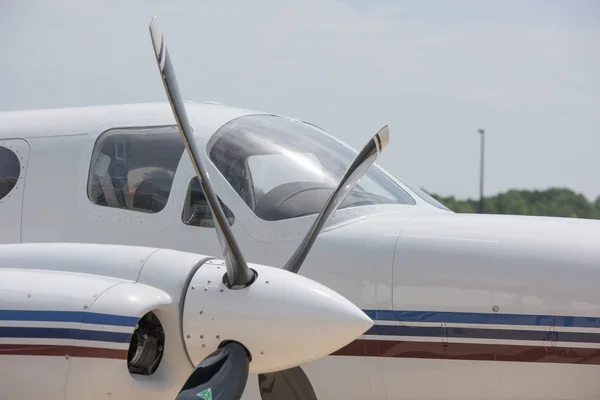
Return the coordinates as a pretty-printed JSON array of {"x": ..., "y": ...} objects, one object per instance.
[{"x": 285, "y": 169}]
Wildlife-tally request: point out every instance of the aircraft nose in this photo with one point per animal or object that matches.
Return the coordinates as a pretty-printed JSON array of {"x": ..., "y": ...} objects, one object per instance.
[{"x": 283, "y": 319}]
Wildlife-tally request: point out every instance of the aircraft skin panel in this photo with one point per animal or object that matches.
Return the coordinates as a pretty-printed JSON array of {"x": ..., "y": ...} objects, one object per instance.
[
  {"x": 93, "y": 120},
  {"x": 55, "y": 189},
  {"x": 127, "y": 267},
  {"x": 377, "y": 378},
  {"x": 43, "y": 314},
  {"x": 496, "y": 290},
  {"x": 354, "y": 258}
]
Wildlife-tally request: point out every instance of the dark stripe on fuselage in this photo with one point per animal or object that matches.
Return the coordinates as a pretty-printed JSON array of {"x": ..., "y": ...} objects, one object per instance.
[
  {"x": 62, "y": 351},
  {"x": 484, "y": 333},
  {"x": 68, "y": 316},
  {"x": 371, "y": 348},
  {"x": 376, "y": 315},
  {"x": 483, "y": 318},
  {"x": 63, "y": 333},
  {"x": 470, "y": 352}
]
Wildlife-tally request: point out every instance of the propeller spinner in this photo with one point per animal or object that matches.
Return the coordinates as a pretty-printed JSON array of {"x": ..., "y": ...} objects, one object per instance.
[{"x": 223, "y": 374}]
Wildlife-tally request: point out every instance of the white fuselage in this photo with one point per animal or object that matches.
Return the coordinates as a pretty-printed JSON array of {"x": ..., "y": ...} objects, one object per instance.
[{"x": 465, "y": 306}]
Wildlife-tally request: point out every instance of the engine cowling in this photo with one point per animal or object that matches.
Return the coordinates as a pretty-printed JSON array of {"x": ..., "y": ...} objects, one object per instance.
[{"x": 283, "y": 319}]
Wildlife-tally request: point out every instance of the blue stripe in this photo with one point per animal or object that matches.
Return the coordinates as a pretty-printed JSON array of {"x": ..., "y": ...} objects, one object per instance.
[
  {"x": 64, "y": 333},
  {"x": 483, "y": 333},
  {"x": 68, "y": 316},
  {"x": 482, "y": 318}
]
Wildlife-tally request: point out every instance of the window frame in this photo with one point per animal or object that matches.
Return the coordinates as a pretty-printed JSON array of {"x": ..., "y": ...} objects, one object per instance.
[{"x": 95, "y": 151}]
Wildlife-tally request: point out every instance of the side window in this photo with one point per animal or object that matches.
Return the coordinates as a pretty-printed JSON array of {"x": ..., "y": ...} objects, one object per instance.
[
  {"x": 196, "y": 211},
  {"x": 10, "y": 168},
  {"x": 133, "y": 168}
]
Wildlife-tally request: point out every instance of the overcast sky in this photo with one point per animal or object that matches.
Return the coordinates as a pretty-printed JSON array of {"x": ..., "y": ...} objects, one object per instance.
[{"x": 435, "y": 71}]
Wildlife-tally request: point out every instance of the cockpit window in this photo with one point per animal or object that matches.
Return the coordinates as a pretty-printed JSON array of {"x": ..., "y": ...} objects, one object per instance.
[
  {"x": 284, "y": 168},
  {"x": 196, "y": 210},
  {"x": 134, "y": 168}
]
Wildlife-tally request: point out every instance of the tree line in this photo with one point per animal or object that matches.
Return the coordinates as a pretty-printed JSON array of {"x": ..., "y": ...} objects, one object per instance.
[{"x": 553, "y": 202}]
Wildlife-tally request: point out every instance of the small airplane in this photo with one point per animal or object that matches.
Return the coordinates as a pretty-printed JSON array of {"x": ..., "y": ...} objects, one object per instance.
[
  {"x": 463, "y": 306},
  {"x": 95, "y": 321}
]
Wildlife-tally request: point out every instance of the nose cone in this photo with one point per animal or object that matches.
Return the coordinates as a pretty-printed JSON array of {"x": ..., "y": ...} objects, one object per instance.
[{"x": 283, "y": 319}]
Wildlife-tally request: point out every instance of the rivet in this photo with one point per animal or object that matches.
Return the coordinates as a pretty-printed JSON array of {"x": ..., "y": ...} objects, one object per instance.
[
  {"x": 193, "y": 287},
  {"x": 208, "y": 283},
  {"x": 267, "y": 282},
  {"x": 262, "y": 352},
  {"x": 203, "y": 345},
  {"x": 495, "y": 308},
  {"x": 67, "y": 357},
  {"x": 205, "y": 288},
  {"x": 201, "y": 312},
  {"x": 218, "y": 337},
  {"x": 188, "y": 336},
  {"x": 201, "y": 336},
  {"x": 85, "y": 307},
  {"x": 221, "y": 290}
]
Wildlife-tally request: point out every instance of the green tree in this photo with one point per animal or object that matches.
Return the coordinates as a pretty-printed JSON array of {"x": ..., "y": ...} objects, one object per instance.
[{"x": 552, "y": 202}]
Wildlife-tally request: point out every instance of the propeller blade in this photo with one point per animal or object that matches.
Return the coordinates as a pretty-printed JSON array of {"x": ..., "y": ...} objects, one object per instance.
[
  {"x": 220, "y": 376},
  {"x": 238, "y": 273},
  {"x": 224, "y": 373},
  {"x": 291, "y": 384},
  {"x": 353, "y": 174}
]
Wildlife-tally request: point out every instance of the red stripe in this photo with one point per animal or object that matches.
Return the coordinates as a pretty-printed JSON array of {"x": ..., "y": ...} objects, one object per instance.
[
  {"x": 56, "y": 350},
  {"x": 470, "y": 352}
]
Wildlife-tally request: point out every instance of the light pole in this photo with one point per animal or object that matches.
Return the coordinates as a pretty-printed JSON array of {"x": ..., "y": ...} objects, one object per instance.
[{"x": 482, "y": 133}]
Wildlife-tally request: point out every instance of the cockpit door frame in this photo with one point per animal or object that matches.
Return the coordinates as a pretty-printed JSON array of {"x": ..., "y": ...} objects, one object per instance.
[{"x": 203, "y": 239}]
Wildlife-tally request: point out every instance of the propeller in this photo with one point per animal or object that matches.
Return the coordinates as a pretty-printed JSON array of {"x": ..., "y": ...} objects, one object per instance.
[
  {"x": 221, "y": 375},
  {"x": 353, "y": 174},
  {"x": 224, "y": 373},
  {"x": 238, "y": 274}
]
